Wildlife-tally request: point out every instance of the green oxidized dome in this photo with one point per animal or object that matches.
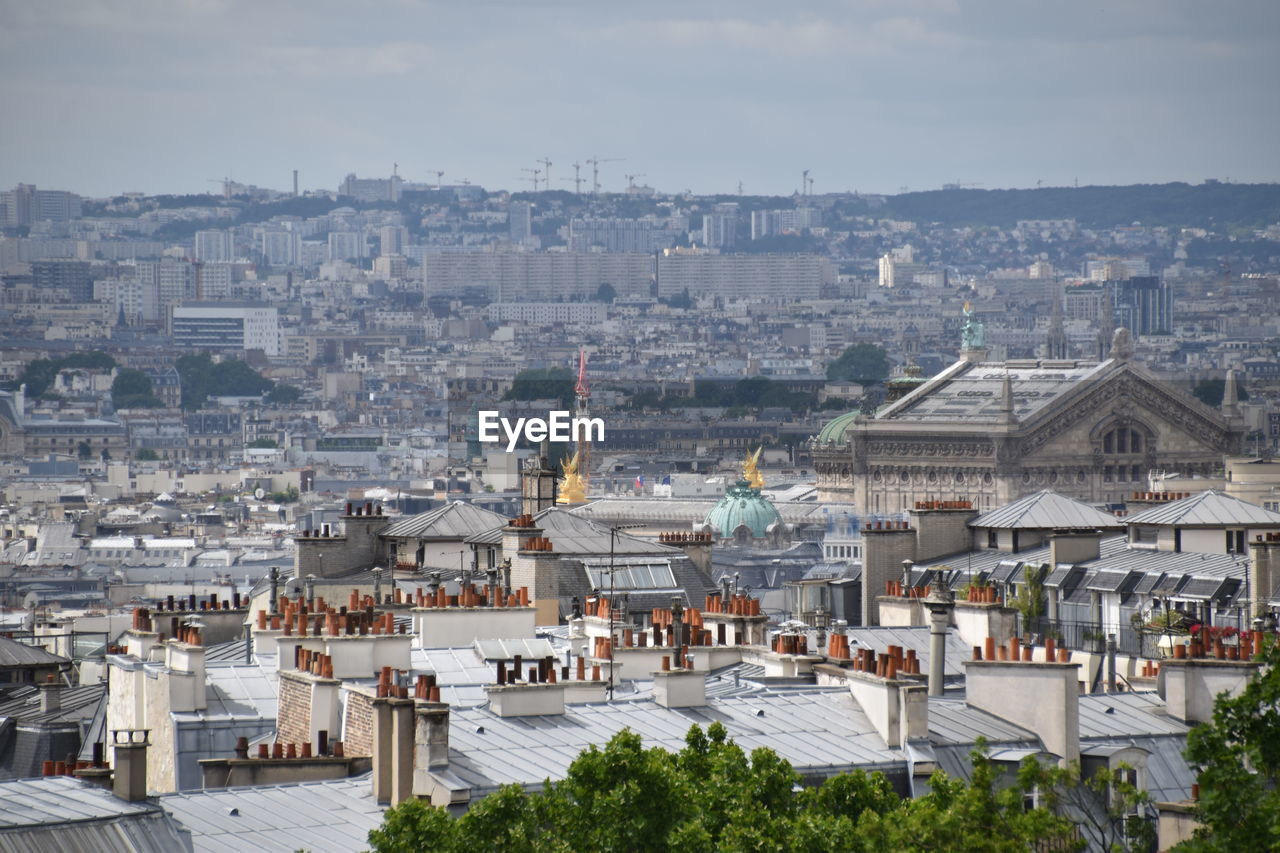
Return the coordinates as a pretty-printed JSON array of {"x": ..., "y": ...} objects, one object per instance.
[
  {"x": 834, "y": 429},
  {"x": 742, "y": 505}
]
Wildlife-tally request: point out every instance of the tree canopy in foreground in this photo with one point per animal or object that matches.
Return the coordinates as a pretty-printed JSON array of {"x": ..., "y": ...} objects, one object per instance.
[{"x": 714, "y": 796}]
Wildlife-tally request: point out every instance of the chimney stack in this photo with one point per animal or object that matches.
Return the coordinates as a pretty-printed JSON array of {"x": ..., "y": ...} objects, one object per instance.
[
  {"x": 130, "y": 780},
  {"x": 940, "y": 603},
  {"x": 50, "y": 695}
]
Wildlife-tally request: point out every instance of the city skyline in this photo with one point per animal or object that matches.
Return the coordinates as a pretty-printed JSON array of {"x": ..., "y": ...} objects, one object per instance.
[{"x": 871, "y": 97}]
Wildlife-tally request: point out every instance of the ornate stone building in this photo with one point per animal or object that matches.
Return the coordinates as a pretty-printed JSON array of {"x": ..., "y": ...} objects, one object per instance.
[{"x": 991, "y": 432}]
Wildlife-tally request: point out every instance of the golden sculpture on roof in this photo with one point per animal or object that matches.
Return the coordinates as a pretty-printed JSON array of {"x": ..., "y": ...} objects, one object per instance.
[
  {"x": 572, "y": 489},
  {"x": 751, "y": 470}
]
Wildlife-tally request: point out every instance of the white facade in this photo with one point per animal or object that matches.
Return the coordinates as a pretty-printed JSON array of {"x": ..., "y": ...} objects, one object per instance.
[
  {"x": 214, "y": 247},
  {"x": 545, "y": 313},
  {"x": 227, "y": 326}
]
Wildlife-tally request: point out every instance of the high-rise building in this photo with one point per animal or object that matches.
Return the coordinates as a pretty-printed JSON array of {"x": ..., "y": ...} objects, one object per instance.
[
  {"x": 770, "y": 223},
  {"x": 392, "y": 239},
  {"x": 520, "y": 221},
  {"x": 26, "y": 205},
  {"x": 347, "y": 246},
  {"x": 213, "y": 281},
  {"x": 214, "y": 247},
  {"x": 75, "y": 277},
  {"x": 720, "y": 227},
  {"x": 370, "y": 189},
  {"x": 619, "y": 235},
  {"x": 282, "y": 247},
  {"x": 1142, "y": 304}
]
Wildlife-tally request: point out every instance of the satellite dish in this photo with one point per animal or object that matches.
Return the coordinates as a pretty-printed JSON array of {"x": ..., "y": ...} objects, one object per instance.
[
  {"x": 31, "y": 601},
  {"x": 259, "y": 493}
]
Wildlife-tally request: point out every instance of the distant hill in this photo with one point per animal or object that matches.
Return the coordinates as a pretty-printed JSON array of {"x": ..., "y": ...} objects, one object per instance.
[{"x": 1208, "y": 205}]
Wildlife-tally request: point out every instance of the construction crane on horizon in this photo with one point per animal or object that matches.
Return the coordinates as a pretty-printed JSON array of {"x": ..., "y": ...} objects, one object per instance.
[
  {"x": 804, "y": 183},
  {"x": 595, "y": 170},
  {"x": 535, "y": 173},
  {"x": 631, "y": 181},
  {"x": 546, "y": 172},
  {"x": 576, "y": 180},
  {"x": 226, "y": 185},
  {"x": 438, "y": 175}
]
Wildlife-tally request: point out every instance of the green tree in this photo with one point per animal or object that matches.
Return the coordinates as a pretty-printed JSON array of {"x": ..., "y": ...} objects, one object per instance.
[
  {"x": 131, "y": 389},
  {"x": 865, "y": 363},
  {"x": 202, "y": 379},
  {"x": 552, "y": 383},
  {"x": 712, "y": 795},
  {"x": 283, "y": 395},
  {"x": 1030, "y": 600},
  {"x": 1211, "y": 391},
  {"x": 1237, "y": 759},
  {"x": 146, "y": 454},
  {"x": 606, "y": 293},
  {"x": 263, "y": 443},
  {"x": 38, "y": 374},
  {"x": 84, "y": 450}
]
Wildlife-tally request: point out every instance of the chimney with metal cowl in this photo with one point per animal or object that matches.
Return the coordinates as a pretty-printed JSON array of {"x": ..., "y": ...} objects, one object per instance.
[
  {"x": 940, "y": 603},
  {"x": 130, "y": 779}
]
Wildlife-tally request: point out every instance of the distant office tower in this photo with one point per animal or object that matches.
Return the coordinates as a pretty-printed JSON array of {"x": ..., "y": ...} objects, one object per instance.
[
  {"x": 520, "y": 221},
  {"x": 774, "y": 277},
  {"x": 26, "y": 205},
  {"x": 770, "y": 223},
  {"x": 391, "y": 266},
  {"x": 393, "y": 239},
  {"x": 371, "y": 189},
  {"x": 282, "y": 248},
  {"x": 213, "y": 281},
  {"x": 1143, "y": 304},
  {"x": 227, "y": 325},
  {"x": 536, "y": 276},
  {"x": 720, "y": 227},
  {"x": 347, "y": 246},
  {"x": 1040, "y": 269},
  {"x": 164, "y": 283},
  {"x": 1116, "y": 269},
  {"x": 619, "y": 235},
  {"x": 887, "y": 270},
  {"x": 214, "y": 247},
  {"x": 75, "y": 277}
]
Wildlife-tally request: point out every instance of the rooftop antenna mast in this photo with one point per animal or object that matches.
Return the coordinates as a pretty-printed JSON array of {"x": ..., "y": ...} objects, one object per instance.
[{"x": 582, "y": 395}]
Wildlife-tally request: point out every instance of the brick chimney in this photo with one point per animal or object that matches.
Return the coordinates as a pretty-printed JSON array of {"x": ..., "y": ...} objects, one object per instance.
[
  {"x": 896, "y": 706},
  {"x": 130, "y": 779},
  {"x": 885, "y": 545}
]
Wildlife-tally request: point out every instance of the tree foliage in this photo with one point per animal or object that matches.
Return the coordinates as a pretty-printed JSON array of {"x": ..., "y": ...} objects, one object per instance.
[
  {"x": 1211, "y": 391},
  {"x": 39, "y": 373},
  {"x": 552, "y": 383},
  {"x": 131, "y": 389},
  {"x": 202, "y": 379},
  {"x": 1237, "y": 758},
  {"x": 865, "y": 363},
  {"x": 713, "y": 795}
]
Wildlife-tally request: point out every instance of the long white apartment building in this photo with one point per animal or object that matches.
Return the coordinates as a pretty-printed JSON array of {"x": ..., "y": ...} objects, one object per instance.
[{"x": 226, "y": 325}]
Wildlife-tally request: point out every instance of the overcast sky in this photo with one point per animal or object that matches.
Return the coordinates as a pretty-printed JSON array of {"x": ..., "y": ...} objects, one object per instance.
[{"x": 104, "y": 96}]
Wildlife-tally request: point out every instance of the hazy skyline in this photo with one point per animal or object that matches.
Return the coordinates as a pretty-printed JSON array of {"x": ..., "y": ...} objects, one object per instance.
[{"x": 101, "y": 97}]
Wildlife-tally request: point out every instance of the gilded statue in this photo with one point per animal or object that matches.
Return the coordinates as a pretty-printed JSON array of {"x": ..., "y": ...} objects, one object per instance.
[
  {"x": 572, "y": 489},
  {"x": 751, "y": 470}
]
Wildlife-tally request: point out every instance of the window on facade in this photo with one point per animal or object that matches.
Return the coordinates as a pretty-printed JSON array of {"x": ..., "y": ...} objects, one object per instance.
[
  {"x": 993, "y": 539},
  {"x": 1108, "y": 474}
]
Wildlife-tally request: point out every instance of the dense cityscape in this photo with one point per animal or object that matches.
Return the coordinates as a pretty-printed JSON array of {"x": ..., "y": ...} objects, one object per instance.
[{"x": 393, "y": 510}]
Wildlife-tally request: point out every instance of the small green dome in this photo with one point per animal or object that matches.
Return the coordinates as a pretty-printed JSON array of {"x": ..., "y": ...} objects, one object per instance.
[
  {"x": 742, "y": 505},
  {"x": 833, "y": 430}
]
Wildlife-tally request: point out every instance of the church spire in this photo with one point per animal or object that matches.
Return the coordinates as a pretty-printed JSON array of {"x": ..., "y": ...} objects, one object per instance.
[{"x": 1056, "y": 340}]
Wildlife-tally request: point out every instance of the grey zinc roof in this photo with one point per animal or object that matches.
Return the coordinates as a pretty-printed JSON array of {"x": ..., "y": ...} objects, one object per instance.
[
  {"x": 15, "y": 654},
  {"x": 454, "y": 520},
  {"x": 1210, "y": 508},
  {"x": 316, "y": 816},
  {"x": 1108, "y": 715},
  {"x": 819, "y": 732},
  {"x": 952, "y": 721},
  {"x": 572, "y": 534},
  {"x": 1046, "y": 510},
  {"x": 879, "y": 639},
  {"x": 64, "y": 814}
]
